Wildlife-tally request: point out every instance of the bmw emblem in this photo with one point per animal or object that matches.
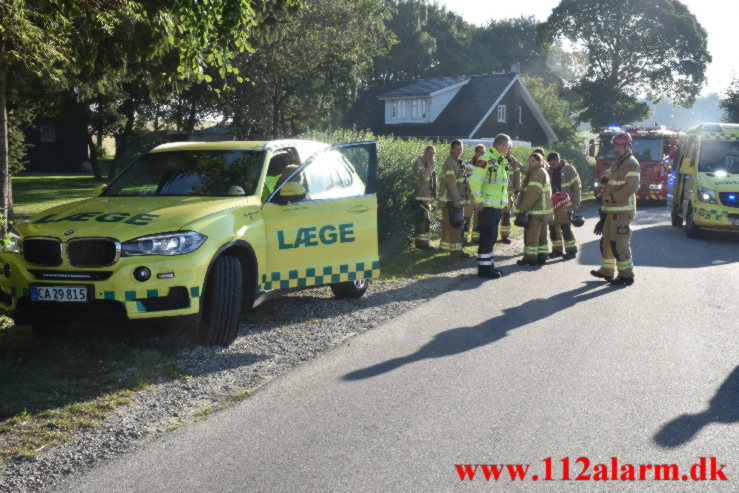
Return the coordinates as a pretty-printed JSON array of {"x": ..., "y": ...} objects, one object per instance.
[{"x": 68, "y": 232}]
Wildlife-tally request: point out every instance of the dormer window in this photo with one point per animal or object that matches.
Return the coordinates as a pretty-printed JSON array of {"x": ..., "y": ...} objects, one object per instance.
[{"x": 408, "y": 111}]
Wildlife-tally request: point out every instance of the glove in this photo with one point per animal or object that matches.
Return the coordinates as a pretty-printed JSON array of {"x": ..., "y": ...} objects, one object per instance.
[
  {"x": 598, "y": 230},
  {"x": 522, "y": 219}
]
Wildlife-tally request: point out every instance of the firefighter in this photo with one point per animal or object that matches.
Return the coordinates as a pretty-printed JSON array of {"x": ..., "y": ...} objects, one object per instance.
[
  {"x": 424, "y": 172},
  {"x": 514, "y": 187},
  {"x": 472, "y": 224},
  {"x": 565, "y": 180},
  {"x": 454, "y": 197},
  {"x": 616, "y": 213},
  {"x": 535, "y": 203},
  {"x": 489, "y": 187}
]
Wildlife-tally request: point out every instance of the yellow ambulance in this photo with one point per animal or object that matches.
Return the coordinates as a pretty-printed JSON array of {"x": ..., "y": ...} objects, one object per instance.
[
  {"x": 705, "y": 188},
  {"x": 200, "y": 232}
]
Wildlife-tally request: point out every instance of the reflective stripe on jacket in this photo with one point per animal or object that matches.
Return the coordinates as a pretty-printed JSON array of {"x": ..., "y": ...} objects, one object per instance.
[
  {"x": 489, "y": 180},
  {"x": 425, "y": 179},
  {"x": 623, "y": 184},
  {"x": 537, "y": 194},
  {"x": 454, "y": 182}
]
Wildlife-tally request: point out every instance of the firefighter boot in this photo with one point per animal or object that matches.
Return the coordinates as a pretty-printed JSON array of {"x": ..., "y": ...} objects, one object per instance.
[
  {"x": 622, "y": 281},
  {"x": 488, "y": 271},
  {"x": 601, "y": 275}
]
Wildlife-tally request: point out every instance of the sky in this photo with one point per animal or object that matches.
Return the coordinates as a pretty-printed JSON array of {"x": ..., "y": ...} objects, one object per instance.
[{"x": 718, "y": 18}]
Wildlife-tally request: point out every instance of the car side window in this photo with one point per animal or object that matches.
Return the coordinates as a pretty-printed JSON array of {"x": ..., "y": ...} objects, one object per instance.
[{"x": 328, "y": 176}]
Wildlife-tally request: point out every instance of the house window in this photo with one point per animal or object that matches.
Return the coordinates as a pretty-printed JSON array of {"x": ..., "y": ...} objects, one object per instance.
[
  {"x": 409, "y": 109},
  {"x": 48, "y": 133},
  {"x": 520, "y": 114},
  {"x": 502, "y": 113}
]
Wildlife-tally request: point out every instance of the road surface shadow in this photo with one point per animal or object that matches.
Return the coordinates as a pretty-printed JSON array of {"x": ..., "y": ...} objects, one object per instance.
[
  {"x": 723, "y": 408},
  {"x": 461, "y": 339},
  {"x": 665, "y": 246}
]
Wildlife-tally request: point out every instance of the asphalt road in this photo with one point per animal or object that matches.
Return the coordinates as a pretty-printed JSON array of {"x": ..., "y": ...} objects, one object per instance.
[{"x": 541, "y": 363}]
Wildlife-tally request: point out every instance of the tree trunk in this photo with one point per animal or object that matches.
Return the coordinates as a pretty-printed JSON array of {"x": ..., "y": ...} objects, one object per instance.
[
  {"x": 191, "y": 120},
  {"x": 275, "y": 114},
  {"x": 94, "y": 157},
  {"x": 156, "y": 117},
  {"x": 5, "y": 185},
  {"x": 122, "y": 142}
]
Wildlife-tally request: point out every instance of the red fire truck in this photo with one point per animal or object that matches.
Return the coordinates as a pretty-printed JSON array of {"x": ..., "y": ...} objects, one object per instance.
[{"x": 655, "y": 148}]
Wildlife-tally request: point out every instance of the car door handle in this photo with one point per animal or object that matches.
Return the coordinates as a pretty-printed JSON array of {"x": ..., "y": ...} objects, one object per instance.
[{"x": 359, "y": 208}]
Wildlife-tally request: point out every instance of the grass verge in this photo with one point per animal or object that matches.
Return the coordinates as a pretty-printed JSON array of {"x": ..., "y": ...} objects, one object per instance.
[
  {"x": 33, "y": 194},
  {"x": 47, "y": 392}
]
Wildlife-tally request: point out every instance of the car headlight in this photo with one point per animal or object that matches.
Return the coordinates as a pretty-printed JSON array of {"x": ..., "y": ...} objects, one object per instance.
[
  {"x": 163, "y": 244},
  {"x": 706, "y": 195},
  {"x": 12, "y": 242}
]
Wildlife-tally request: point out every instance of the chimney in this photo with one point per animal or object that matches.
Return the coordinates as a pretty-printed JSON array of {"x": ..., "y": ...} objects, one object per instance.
[{"x": 516, "y": 68}]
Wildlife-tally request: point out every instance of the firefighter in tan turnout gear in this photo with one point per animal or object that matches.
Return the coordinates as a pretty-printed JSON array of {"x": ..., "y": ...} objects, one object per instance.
[
  {"x": 616, "y": 213},
  {"x": 565, "y": 180},
  {"x": 514, "y": 188},
  {"x": 472, "y": 224},
  {"x": 424, "y": 172},
  {"x": 454, "y": 198},
  {"x": 535, "y": 212}
]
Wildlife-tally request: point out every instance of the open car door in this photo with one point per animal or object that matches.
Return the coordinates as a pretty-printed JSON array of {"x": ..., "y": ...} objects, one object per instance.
[{"x": 321, "y": 223}]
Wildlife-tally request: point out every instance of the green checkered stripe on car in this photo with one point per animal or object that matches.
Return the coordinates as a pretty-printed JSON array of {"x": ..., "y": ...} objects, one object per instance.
[
  {"x": 128, "y": 297},
  {"x": 131, "y": 297},
  {"x": 725, "y": 135},
  {"x": 713, "y": 214},
  {"x": 313, "y": 276}
]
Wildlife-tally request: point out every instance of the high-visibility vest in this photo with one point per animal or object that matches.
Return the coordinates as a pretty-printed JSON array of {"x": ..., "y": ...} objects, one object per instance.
[{"x": 489, "y": 180}]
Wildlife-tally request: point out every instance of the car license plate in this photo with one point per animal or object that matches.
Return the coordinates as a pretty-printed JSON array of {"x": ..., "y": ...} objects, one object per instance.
[{"x": 70, "y": 294}]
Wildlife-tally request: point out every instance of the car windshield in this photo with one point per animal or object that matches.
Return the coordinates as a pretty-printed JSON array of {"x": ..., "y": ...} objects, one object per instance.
[
  {"x": 719, "y": 155},
  {"x": 192, "y": 173},
  {"x": 643, "y": 149}
]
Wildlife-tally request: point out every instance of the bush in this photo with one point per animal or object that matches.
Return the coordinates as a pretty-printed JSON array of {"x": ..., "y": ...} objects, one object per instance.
[
  {"x": 575, "y": 154},
  {"x": 395, "y": 183}
]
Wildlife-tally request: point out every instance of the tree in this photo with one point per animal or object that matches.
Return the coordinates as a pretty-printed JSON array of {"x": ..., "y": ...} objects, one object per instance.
[
  {"x": 730, "y": 102},
  {"x": 557, "y": 111},
  {"x": 656, "y": 49},
  {"x": 94, "y": 45},
  {"x": 306, "y": 73}
]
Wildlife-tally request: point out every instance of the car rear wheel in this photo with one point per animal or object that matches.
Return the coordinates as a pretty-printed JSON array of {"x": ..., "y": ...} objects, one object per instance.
[
  {"x": 221, "y": 310},
  {"x": 350, "y": 289},
  {"x": 691, "y": 230}
]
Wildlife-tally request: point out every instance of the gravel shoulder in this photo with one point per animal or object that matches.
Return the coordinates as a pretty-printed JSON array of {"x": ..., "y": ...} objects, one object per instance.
[{"x": 275, "y": 338}]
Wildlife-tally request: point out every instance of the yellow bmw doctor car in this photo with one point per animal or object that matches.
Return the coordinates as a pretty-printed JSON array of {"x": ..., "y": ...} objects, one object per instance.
[{"x": 200, "y": 231}]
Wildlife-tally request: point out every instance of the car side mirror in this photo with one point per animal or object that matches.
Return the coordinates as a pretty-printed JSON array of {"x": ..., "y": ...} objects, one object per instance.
[
  {"x": 99, "y": 189},
  {"x": 292, "y": 192}
]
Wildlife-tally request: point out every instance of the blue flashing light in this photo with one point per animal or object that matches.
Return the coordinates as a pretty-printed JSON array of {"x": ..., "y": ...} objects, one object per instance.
[
  {"x": 614, "y": 128},
  {"x": 732, "y": 197}
]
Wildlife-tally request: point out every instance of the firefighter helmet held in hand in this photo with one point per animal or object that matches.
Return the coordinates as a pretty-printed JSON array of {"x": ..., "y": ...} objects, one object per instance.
[
  {"x": 560, "y": 200},
  {"x": 577, "y": 221}
]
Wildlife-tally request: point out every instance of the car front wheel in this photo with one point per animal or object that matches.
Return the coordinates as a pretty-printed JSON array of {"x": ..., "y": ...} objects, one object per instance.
[
  {"x": 691, "y": 230},
  {"x": 221, "y": 310}
]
